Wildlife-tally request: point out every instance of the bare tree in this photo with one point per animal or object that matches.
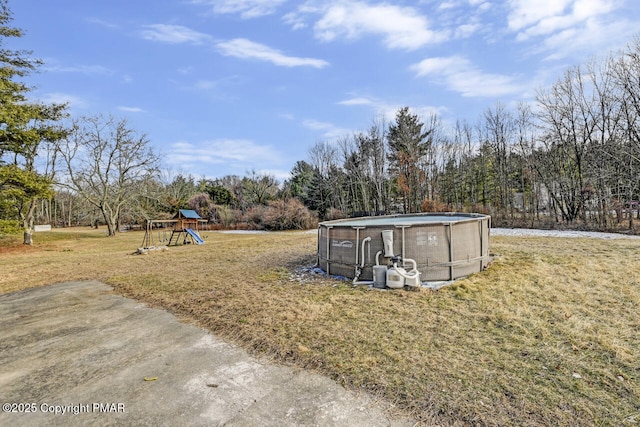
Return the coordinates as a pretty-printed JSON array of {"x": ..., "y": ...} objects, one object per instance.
[
  {"x": 105, "y": 161},
  {"x": 469, "y": 173},
  {"x": 360, "y": 160},
  {"x": 328, "y": 184},
  {"x": 354, "y": 164},
  {"x": 450, "y": 181},
  {"x": 566, "y": 130},
  {"x": 525, "y": 148},
  {"x": 258, "y": 189},
  {"x": 626, "y": 71},
  {"x": 378, "y": 164},
  {"x": 499, "y": 130},
  {"x": 605, "y": 160}
]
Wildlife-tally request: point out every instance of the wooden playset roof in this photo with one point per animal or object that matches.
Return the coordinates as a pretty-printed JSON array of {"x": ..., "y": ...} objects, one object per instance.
[{"x": 188, "y": 214}]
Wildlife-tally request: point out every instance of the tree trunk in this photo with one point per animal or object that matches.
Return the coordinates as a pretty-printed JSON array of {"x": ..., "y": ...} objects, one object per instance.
[
  {"x": 27, "y": 223},
  {"x": 70, "y": 207},
  {"x": 111, "y": 228}
]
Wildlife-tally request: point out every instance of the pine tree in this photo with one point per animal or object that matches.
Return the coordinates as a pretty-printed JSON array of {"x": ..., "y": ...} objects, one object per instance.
[
  {"x": 24, "y": 128},
  {"x": 408, "y": 144}
]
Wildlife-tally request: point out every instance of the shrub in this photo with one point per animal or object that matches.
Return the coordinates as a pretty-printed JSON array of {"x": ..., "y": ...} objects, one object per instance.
[
  {"x": 225, "y": 215},
  {"x": 333, "y": 213},
  {"x": 254, "y": 217},
  {"x": 429, "y": 205},
  {"x": 478, "y": 208},
  {"x": 288, "y": 215},
  {"x": 202, "y": 204},
  {"x": 9, "y": 226}
]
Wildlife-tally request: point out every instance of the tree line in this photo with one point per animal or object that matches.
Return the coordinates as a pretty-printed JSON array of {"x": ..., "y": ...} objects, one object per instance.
[{"x": 571, "y": 157}]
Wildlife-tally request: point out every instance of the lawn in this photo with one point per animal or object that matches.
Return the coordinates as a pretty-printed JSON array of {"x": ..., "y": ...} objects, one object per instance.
[{"x": 548, "y": 335}]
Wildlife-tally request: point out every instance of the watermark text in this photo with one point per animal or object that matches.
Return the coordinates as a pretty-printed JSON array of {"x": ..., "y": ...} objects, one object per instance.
[{"x": 69, "y": 409}]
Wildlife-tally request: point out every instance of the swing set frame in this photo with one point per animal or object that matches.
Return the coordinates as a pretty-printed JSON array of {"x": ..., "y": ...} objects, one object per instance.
[
  {"x": 185, "y": 222},
  {"x": 150, "y": 238}
]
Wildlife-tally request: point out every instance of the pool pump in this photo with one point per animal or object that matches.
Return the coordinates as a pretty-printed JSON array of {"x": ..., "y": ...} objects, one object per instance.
[
  {"x": 398, "y": 277},
  {"x": 394, "y": 277}
]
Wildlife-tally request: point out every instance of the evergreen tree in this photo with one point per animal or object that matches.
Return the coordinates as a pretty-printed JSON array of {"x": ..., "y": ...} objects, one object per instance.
[
  {"x": 408, "y": 144},
  {"x": 25, "y": 128},
  {"x": 299, "y": 185}
]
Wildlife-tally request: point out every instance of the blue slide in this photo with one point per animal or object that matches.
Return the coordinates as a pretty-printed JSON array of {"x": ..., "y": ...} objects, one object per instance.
[{"x": 195, "y": 236}]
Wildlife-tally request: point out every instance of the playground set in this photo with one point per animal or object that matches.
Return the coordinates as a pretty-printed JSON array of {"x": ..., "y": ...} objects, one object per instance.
[{"x": 182, "y": 228}]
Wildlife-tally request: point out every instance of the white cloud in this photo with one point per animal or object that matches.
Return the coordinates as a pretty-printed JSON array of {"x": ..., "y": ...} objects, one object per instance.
[
  {"x": 400, "y": 27},
  {"x": 246, "y": 49},
  {"x": 460, "y": 75},
  {"x": 239, "y": 47},
  {"x": 131, "y": 109},
  {"x": 426, "y": 111},
  {"x": 205, "y": 85},
  {"x": 570, "y": 28},
  {"x": 446, "y": 5},
  {"x": 64, "y": 98},
  {"x": 328, "y": 130},
  {"x": 380, "y": 108},
  {"x": 174, "y": 34},
  {"x": 241, "y": 152},
  {"x": 295, "y": 20},
  {"x": 544, "y": 17},
  {"x": 103, "y": 23},
  {"x": 356, "y": 101},
  {"x": 483, "y": 6},
  {"x": 467, "y": 30},
  {"x": 279, "y": 174},
  {"x": 246, "y": 8},
  {"x": 524, "y": 13},
  {"x": 594, "y": 36},
  {"x": 80, "y": 69},
  {"x": 438, "y": 65},
  {"x": 286, "y": 116},
  {"x": 317, "y": 125},
  {"x": 388, "y": 110}
]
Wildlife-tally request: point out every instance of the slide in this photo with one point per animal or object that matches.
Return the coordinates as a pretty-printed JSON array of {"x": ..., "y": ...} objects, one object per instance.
[{"x": 196, "y": 236}]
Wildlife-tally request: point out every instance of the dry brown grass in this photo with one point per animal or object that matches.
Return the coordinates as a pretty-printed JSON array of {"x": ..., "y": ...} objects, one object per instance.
[{"x": 549, "y": 335}]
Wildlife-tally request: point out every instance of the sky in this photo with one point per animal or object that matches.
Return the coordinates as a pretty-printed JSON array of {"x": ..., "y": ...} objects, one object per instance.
[{"x": 226, "y": 87}]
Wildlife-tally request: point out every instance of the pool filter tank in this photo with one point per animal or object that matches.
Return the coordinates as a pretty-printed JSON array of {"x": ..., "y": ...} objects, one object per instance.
[
  {"x": 379, "y": 276},
  {"x": 394, "y": 279},
  {"x": 398, "y": 276}
]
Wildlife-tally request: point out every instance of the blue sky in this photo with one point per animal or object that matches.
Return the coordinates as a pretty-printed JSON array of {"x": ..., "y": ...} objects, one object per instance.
[{"x": 222, "y": 87}]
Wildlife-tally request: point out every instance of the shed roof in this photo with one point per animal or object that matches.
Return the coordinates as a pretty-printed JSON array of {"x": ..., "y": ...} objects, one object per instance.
[{"x": 189, "y": 214}]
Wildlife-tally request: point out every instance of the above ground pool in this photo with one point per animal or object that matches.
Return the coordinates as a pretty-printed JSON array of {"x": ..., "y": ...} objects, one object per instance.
[{"x": 440, "y": 246}]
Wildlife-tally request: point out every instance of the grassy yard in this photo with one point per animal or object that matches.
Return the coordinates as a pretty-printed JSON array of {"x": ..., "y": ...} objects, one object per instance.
[{"x": 549, "y": 335}]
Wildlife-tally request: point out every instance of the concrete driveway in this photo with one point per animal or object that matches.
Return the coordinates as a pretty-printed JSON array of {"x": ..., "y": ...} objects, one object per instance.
[{"x": 75, "y": 354}]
